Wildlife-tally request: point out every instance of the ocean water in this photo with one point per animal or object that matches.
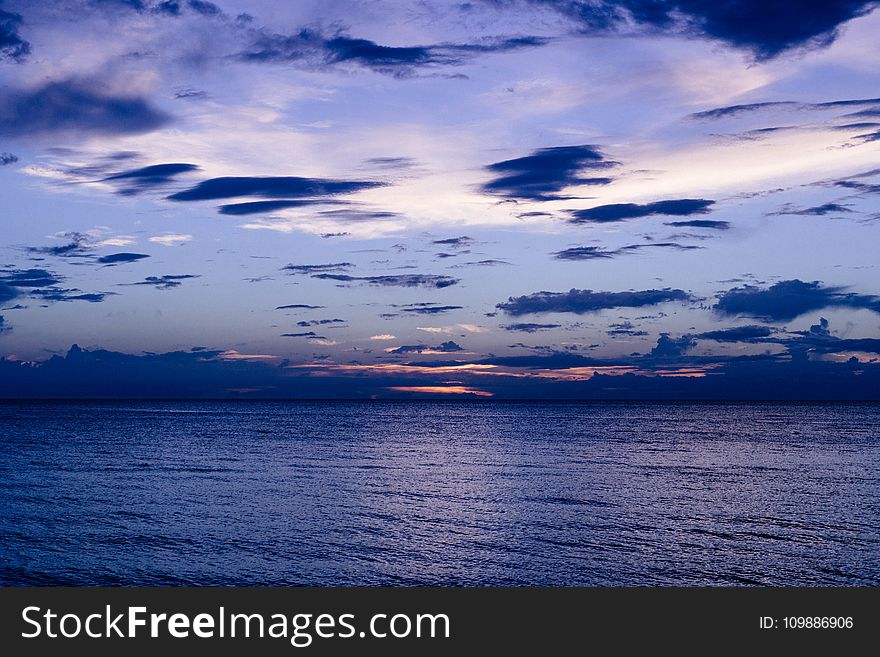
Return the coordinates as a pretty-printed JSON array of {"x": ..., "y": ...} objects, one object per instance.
[{"x": 423, "y": 493}]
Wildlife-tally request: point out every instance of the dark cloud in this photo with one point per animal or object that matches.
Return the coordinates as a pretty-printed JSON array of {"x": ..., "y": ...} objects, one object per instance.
[
  {"x": 584, "y": 253},
  {"x": 455, "y": 242},
  {"x": 430, "y": 309},
  {"x": 312, "y": 48},
  {"x": 7, "y": 158},
  {"x": 28, "y": 278},
  {"x": 263, "y": 207},
  {"x": 398, "y": 280},
  {"x": 175, "y": 8},
  {"x": 136, "y": 181},
  {"x": 668, "y": 347},
  {"x": 391, "y": 162},
  {"x": 546, "y": 172},
  {"x": 72, "y": 294},
  {"x": 445, "y": 347},
  {"x": 76, "y": 106},
  {"x": 598, "y": 253},
  {"x": 168, "y": 8},
  {"x": 190, "y": 94},
  {"x": 298, "y": 306},
  {"x": 7, "y": 292},
  {"x": 554, "y": 361},
  {"x": 818, "y": 339},
  {"x": 4, "y": 327},
  {"x": 787, "y": 300},
  {"x": 305, "y": 334},
  {"x": 119, "y": 258},
  {"x": 317, "y": 269},
  {"x": 78, "y": 246},
  {"x": 270, "y": 187},
  {"x": 738, "y": 334},
  {"x": 623, "y": 211},
  {"x": 526, "y": 327},
  {"x": 205, "y": 8},
  {"x": 816, "y": 211},
  {"x": 765, "y": 28},
  {"x": 166, "y": 282},
  {"x": 587, "y": 301},
  {"x": 203, "y": 373},
  {"x": 627, "y": 329},
  {"x": 320, "y": 322},
  {"x": 357, "y": 215},
  {"x": 480, "y": 263},
  {"x": 12, "y": 46},
  {"x": 700, "y": 223},
  {"x": 735, "y": 110}
]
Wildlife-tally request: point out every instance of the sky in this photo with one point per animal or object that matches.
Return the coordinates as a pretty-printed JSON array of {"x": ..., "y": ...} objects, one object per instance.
[{"x": 470, "y": 200}]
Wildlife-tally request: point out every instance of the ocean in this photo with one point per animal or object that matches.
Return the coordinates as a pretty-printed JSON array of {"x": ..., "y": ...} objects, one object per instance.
[{"x": 439, "y": 493}]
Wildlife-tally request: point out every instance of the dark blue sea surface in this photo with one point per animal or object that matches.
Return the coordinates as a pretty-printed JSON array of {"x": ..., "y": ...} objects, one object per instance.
[{"x": 422, "y": 493}]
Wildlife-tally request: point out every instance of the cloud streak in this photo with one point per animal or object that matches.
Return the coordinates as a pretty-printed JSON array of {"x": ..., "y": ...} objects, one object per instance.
[{"x": 581, "y": 302}]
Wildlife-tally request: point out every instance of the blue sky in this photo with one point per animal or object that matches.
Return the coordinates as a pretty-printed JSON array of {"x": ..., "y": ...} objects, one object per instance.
[{"x": 489, "y": 198}]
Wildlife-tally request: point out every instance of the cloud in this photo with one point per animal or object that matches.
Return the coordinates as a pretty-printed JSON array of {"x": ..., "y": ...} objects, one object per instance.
[
  {"x": 166, "y": 282},
  {"x": 306, "y": 334},
  {"x": 430, "y": 309},
  {"x": 317, "y": 269},
  {"x": 320, "y": 322},
  {"x": 587, "y": 301},
  {"x": 738, "y": 334},
  {"x": 12, "y": 46},
  {"x": 391, "y": 162},
  {"x": 700, "y": 223},
  {"x": 7, "y": 158},
  {"x": 763, "y": 28},
  {"x": 7, "y": 292},
  {"x": 55, "y": 294},
  {"x": 263, "y": 207},
  {"x": 119, "y": 258},
  {"x": 191, "y": 94},
  {"x": 455, "y": 242},
  {"x": 78, "y": 246},
  {"x": 816, "y": 211},
  {"x": 596, "y": 252},
  {"x": 217, "y": 374},
  {"x": 383, "y": 336},
  {"x": 172, "y": 239},
  {"x": 357, "y": 215},
  {"x": 144, "y": 179},
  {"x": 818, "y": 339},
  {"x": 546, "y": 172},
  {"x": 624, "y": 329},
  {"x": 789, "y": 299},
  {"x": 668, "y": 347},
  {"x": 623, "y": 211},
  {"x": 442, "y": 348},
  {"x": 529, "y": 328},
  {"x": 298, "y": 306},
  {"x": 398, "y": 280},
  {"x": 270, "y": 187},
  {"x": 4, "y": 327},
  {"x": 76, "y": 107},
  {"x": 312, "y": 48},
  {"x": 735, "y": 110},
  {"x": 205, "y": 8},
  {"x": 480, "y": 263},
  {"x": 28, "y": 278}
]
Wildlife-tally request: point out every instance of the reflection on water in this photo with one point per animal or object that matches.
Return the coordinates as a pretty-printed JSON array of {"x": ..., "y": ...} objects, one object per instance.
[{"x": 439, "y": 493}]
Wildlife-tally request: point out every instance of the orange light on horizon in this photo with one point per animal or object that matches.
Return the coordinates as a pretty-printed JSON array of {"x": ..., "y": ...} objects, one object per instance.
[{"x": 443, "y": 390}]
